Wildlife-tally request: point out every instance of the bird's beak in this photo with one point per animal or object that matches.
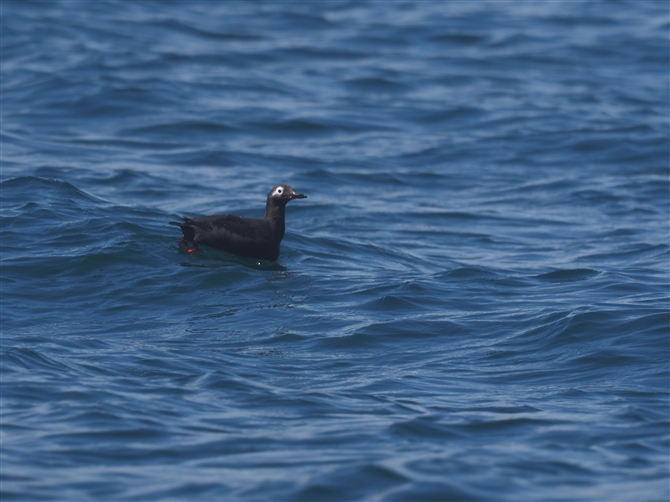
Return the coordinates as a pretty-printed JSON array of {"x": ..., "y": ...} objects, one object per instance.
[{"x": 297, "y": 195}]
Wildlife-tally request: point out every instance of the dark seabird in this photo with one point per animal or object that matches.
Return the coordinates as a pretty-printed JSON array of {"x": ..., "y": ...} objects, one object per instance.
[{"x": 245, "y": 237}]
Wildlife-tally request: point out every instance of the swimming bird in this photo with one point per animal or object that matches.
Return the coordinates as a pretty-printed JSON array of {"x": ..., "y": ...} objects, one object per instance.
[{"x": 244, "y": 237}]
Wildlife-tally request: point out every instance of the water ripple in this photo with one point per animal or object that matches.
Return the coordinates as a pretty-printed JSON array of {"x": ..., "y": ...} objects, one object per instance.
[{"x": 471, "y": 305}]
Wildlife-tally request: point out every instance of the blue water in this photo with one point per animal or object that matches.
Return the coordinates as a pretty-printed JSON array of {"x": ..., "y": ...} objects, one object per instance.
[{"x": 472, "y": 304}]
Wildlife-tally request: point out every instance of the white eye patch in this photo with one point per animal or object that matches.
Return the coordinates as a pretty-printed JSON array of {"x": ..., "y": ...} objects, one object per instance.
[{"x": 278, "y": 191}]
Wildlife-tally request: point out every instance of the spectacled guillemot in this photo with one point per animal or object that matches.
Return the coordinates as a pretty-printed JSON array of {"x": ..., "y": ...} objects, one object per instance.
[{"x": 244, "y": 237}]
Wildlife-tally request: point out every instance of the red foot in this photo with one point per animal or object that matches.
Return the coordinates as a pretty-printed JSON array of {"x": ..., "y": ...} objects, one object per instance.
[{"x": 185, "y": 243}]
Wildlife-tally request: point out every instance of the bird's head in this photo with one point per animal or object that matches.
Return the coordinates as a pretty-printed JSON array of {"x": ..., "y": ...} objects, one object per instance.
[{"x": 282, "y": 194}]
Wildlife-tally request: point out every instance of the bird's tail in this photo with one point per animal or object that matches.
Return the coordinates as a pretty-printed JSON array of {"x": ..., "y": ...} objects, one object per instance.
[{"x": 186, "y": 229}]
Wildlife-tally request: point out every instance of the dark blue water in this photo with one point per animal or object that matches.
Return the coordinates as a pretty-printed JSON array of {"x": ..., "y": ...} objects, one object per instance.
[{"x": 472, "y": 304}]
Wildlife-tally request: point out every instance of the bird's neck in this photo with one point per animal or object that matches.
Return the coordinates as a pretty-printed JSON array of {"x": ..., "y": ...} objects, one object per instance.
[{"x": 275, "y": 215}]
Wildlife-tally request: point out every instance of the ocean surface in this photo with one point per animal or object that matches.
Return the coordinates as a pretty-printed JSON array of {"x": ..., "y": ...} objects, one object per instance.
[{"x": 471, "y": 304}]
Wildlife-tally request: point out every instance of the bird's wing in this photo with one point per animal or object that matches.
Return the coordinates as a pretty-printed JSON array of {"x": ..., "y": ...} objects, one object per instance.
[{"x": 226, "y": 223}]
